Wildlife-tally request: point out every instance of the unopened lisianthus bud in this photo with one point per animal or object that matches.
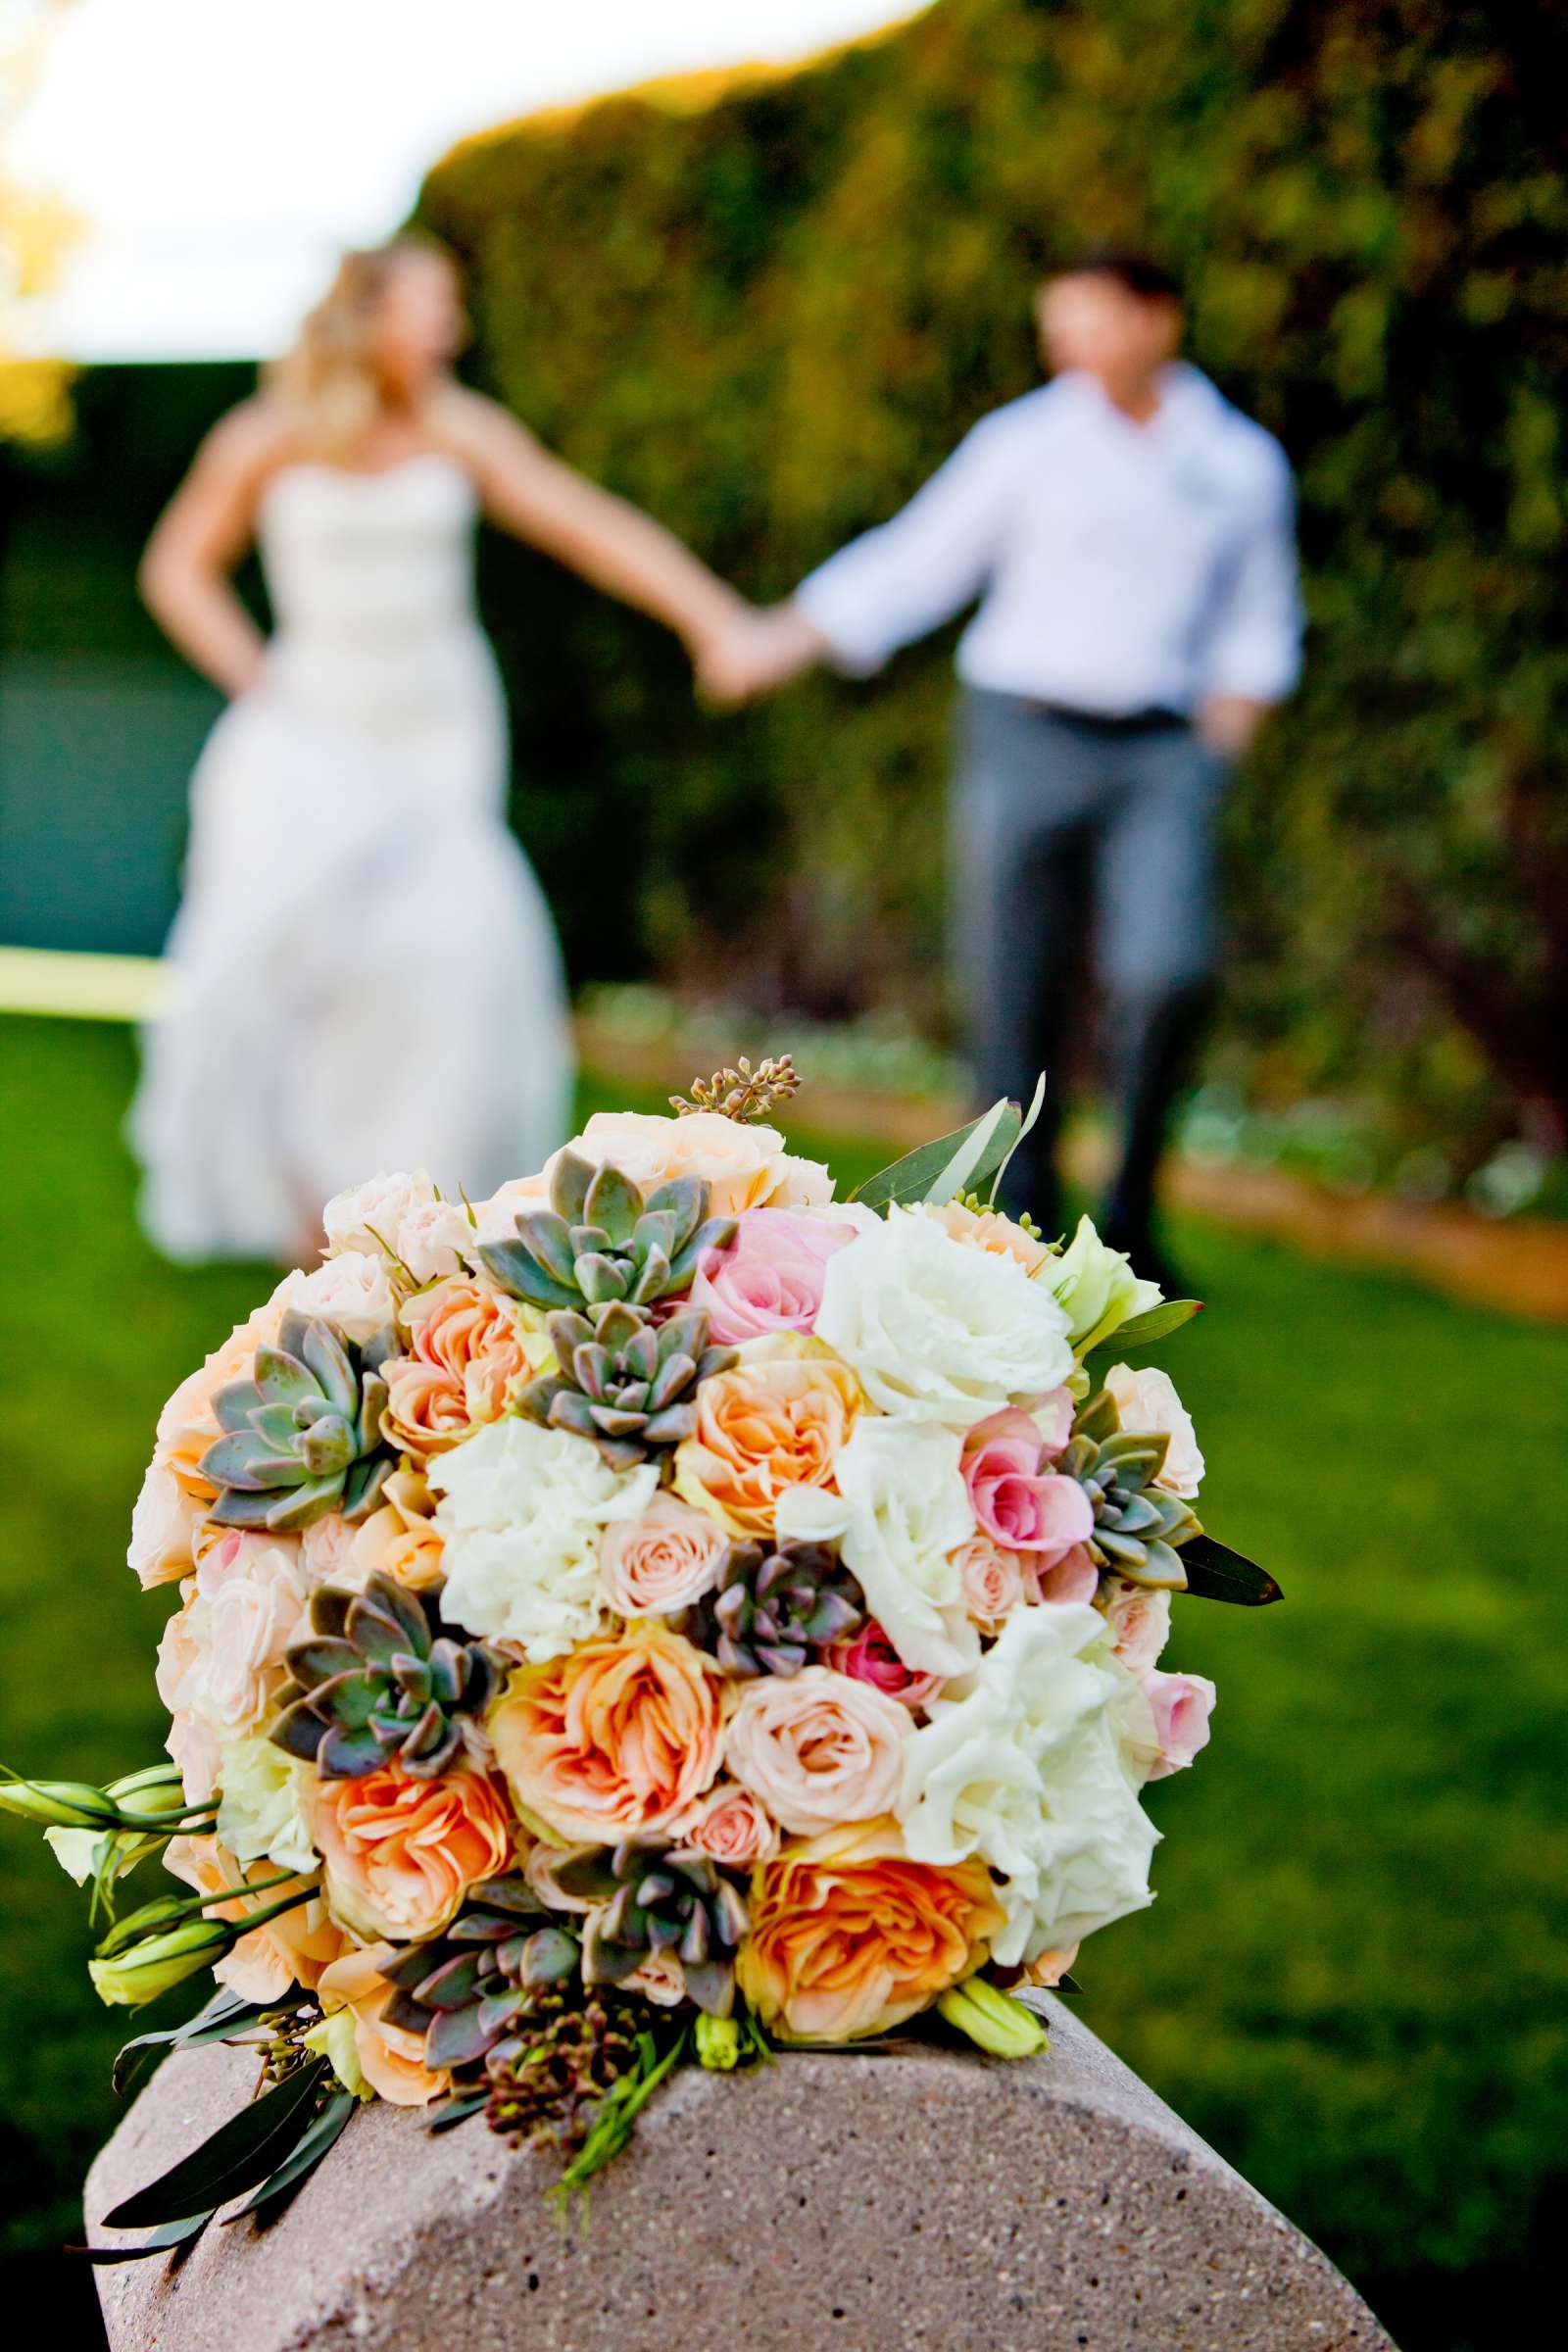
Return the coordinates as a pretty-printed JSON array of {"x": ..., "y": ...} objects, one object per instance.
[
  {"x": 718, "y": 2043},
  {"x": 125, "y": 1979},
  {"x": 58, "y": 1804},
  {"x": 993, "y": 2019}
]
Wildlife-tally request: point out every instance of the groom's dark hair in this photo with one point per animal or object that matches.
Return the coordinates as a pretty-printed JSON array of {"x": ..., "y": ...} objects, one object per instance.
[{"x": 1137, "y": 274}]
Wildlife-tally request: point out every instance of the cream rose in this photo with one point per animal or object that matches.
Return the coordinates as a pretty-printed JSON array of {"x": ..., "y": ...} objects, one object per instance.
[
  {"x": 365, "y": 1218},
  {"x": 743, "y": 1166},
  {"x": 938, "y": 1331},
  {"x": 1146, "y": 1401},
  {"x": 730, "y": 1823},
  {"x": 352, "y": 1291},
  {"x": 818, "y": 1749},
  {"x": 222, "y": 1655},
  {"x": 162, "y": 1529}
]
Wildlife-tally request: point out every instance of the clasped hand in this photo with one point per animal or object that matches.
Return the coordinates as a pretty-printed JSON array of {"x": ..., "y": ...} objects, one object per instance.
[{"x": 751, "y": 652}]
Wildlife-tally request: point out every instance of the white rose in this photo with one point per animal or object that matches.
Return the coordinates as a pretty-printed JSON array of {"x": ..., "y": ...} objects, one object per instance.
[
  {"x": 520, "y": 1515},
  {"x": 260, "y": 1816},
  {"x": 1096, "y": 1288},
  {"x": 365, "y": 1219},
  {"x": 901, "y": 1513},
  {"x": 161, "y": 1528},
  {"x": 436, "y": 1239},
  {"x": 352, "y": 1291},
  {"x": 1036, "y": 1770},
  {"x": 938, "y": 1332},
  {"x": 1146, "y": 1401}
]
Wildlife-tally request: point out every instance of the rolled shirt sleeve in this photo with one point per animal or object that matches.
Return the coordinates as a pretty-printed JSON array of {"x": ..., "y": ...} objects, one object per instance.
[
  {"x": 1253, "y": 642},
  {"x": 898, "y": 583}
]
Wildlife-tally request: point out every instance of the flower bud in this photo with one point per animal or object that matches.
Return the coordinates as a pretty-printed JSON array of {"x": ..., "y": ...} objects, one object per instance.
[
  {"x": 124, "y": 1980},
  {"x": 336, "y": 2040},
  {"x": 718, "y": 2043},
  {"x": 993, "y": 2019},
  {"x": 58, "y": 1804}
]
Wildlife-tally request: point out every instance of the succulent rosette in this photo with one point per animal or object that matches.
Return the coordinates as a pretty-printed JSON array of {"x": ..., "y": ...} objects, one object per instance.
[{"x": 655, "y": 1614}]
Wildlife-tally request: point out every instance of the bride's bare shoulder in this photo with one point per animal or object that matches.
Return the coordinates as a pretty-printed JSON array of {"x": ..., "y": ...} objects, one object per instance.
[{"x": 475, "y": 429}]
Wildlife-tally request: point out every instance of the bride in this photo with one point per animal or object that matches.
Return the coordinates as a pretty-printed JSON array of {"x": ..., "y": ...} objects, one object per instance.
[{"x": 366, "y": 974}]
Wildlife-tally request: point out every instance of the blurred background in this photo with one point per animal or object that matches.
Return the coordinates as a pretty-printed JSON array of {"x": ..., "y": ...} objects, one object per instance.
[{"x": 765, "y": 300}]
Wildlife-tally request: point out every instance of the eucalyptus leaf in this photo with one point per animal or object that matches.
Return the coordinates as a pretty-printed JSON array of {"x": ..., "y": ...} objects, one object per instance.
[
  {"x": 240, "y": 2155},
  {"x": 1030, "y": 1118},
  {"x": 954, "y": 1179},
  {"x": 223, "y": 2015},
  {"x": 458, "y": 2111},
  {"x": 318, "y": 2142},
  {"x": 1144, "y": 1330},
  {"x": 1216, "y": 1572},
  {"x": 910, "y": 1179},
  {"x": 162, "y": 2241}
]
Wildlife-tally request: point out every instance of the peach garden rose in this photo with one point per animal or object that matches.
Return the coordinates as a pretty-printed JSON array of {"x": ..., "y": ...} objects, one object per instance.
[
  {"x": 848, "y": 1937},
  {"x": 778, "y": 1420},
  {"x": 389, "y": 2057},
  {"x": 614, "y": 1740},
  {"x": 401, "y": 1853},
  {"x": 467, "y": 1359},
  {"x": 743, "y": 1166}
]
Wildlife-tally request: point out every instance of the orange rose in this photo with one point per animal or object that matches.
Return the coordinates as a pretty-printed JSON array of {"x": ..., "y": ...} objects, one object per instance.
[
  {"x": 779, "y": 1419},
  {"x": 401, "y": 1540},
  {"x": 291, "y": 1950},
  {"x": 614, "y": 1740},
  {"x": 391, "y": 2058},
  {"x": 466, "y": 1360},
  {"x": 401, "y": 1853},
  {"x": 850, "y": 1936}
]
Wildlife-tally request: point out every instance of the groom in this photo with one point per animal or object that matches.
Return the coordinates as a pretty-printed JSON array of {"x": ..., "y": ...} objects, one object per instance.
[{"x": 1128, "y": 536}]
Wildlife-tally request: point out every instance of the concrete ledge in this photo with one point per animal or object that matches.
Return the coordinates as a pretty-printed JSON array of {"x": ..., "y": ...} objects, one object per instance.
[{"x": 863, "y": 2203}]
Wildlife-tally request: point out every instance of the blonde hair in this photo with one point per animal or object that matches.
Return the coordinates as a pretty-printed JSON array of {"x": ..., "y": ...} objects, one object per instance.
[{"x": 328, "y": 380}]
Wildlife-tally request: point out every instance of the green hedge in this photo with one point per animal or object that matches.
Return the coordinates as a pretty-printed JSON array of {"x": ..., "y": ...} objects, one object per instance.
[{"x": 769, "y": 315}]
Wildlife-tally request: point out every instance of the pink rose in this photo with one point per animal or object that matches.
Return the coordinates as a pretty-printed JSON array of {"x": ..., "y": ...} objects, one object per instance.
[
  {"x": 223, "y": 1654},
  {"x": 991, "y": 1580},
  {"x": 871, "y": 1658},
  {"x": 352, "y": 1291},
  {"x": 1074, "y": 1577},
  {"x": 662, "y": 1562},
  {"x": 1019, "y": 1504},
  {"x": 769, "y": 1278},
  {"x": 325, "y": 1548},
  {"x": 1181, "y": 1705},
  {"x": 818, "y": 1748},
  {"x": 730, "y": 1824}
]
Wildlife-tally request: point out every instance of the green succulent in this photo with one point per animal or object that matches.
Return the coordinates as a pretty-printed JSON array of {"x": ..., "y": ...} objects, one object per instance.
[
  {"x": 774, "y": 1604},
  {"x": 1138, "y": 1527},
  {"x": 302, "y": 1436},
  {"x": 625, "y": 1382},
  {"x": 600, "y": 1240},
  {"x": 468, "y": 1992},
  {"x": 648, "y": 1899},
  {"x": 379, "y": 1680}
]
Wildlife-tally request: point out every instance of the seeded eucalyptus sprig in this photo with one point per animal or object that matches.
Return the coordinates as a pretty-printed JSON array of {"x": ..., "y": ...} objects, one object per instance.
[{"x": 742, "y": 1094}]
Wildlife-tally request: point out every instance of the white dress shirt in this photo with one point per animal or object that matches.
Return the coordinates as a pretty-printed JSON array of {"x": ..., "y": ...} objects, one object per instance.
[{"x": 1120, "y": 567}]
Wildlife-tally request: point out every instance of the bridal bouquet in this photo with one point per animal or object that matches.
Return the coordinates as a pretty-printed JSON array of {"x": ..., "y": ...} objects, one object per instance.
[{"x": 662, "y": 1613}]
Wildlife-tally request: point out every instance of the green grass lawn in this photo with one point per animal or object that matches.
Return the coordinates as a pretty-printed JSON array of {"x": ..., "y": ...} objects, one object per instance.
[{"x": 1355, "y": 1978}]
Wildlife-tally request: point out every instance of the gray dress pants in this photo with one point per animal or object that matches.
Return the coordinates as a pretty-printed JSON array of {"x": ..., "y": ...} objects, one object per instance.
[{"x": 1068, "y": 832}]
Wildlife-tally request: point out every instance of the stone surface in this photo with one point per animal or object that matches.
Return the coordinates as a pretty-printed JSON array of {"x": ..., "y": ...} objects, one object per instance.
[{"x": 830, "y": 2203}]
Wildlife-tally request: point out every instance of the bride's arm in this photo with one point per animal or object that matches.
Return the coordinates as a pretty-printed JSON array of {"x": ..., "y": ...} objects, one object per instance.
[
  {"x": 200, "y": 537},
  {"x": 620, "y": 549}
]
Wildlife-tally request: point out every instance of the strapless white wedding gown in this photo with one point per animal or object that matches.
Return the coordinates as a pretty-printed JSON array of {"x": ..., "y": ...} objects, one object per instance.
[{"x": 366, "y": 975}]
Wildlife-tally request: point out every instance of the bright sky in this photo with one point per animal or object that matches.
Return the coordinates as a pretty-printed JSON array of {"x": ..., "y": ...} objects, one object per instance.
[{"x": 221, "y": 151}]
